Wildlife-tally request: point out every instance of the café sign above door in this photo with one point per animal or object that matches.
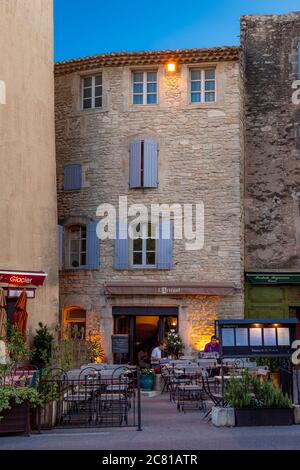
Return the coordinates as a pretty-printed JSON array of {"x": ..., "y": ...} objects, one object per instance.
[{"x": 22, "y": 279}]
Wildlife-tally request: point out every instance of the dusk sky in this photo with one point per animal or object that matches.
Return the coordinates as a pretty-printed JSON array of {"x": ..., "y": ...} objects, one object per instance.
[{"x": 87, "y": 27}]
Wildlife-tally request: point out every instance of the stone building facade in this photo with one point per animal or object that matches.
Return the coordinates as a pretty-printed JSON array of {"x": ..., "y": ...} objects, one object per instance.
[
  {"x": 199, "y": 151},
  {"x": 271, "y": 67},
  {"x": 28, "y": 206}
]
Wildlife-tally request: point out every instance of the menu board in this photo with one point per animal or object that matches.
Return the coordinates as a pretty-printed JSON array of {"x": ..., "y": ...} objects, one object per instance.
[
  {"x": 228, "y": 336},
  {"x": 269, "y": 336},
  {"x": 283, "y": 336},
  {"x": 241, "y": 336},
  {"x": 255, "y": 336}
]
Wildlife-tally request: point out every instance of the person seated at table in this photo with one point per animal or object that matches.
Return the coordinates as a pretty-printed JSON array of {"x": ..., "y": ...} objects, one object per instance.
[
  {"x": 156, "y": 354},
  {"x": 143, "y": 358},
  {"x": 212, "y": 346}
]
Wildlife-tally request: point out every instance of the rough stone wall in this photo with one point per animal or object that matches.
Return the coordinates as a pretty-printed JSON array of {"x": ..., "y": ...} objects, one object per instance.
[
  {"x": 272, "y": 172},
  {"x": 28, "y": 205},
  {"x": 200, "y": 159}
]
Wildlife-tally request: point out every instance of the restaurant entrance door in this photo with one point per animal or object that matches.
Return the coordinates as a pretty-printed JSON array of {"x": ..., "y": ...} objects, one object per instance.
[{"x": 144, "y": 329}]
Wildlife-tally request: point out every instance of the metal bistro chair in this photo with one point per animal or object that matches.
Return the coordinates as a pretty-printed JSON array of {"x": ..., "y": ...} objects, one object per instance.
[
  {"x": 215, "y": 397},
  {"x": 114, "y": 398},
  {"x": 190, "y": 395}
]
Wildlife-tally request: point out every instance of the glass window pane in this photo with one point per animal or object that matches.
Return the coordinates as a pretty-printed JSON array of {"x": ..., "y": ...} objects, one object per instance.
[
  {"x": 196, "y": 86},
  {"x": 209, "y": 74},
  {"x": 138, "y": 244},
  {"x": 98, "y": 80},
  {"x": 137, "y": 88},
  {"x": 137, "y": 258},
  {"x": 196, "y": 97},
  {"x": 87, "y": 92},
  {"x": 210, "y": 85},
  {"x": 83, "y": 231},
  {"x": 151, "y": 99},
  {"x": 209, "y": 97},
  {"x": 137, "y": 77},
  {"x": 137, "y": 99},
  {"x": 83, "y": 259},
  {"x": 195, "y": 75},
  {"x": 83, "y": 245},
  {"x": 150, "y": 258},
  {"x": 150, "y": 244},
  {"x": 87, "y": 103},
  {"x": 98, "y": 91},
  {"x": 74, "y": 260},
  {"x": 87, "y": 82},
  {"x": 151, "y": 76},
  {"x": 151, "y": 87},
  {"x": 98, "y": 102}
]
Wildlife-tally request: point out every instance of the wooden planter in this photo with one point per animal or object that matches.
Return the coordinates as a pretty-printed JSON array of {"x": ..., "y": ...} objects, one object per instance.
[
  {"x": 263, "y": 416},
  {"x": 16, "y": 420},
  {"x": 45, "y": 417}
]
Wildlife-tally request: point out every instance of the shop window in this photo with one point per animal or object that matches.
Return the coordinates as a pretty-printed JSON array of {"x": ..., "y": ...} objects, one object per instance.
[
  {"x": 75, "y": 322},
  {"x": 143, "y": 164}
]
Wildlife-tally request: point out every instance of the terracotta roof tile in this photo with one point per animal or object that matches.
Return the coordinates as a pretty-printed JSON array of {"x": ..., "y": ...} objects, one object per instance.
[{"x": 182, "y": 56}]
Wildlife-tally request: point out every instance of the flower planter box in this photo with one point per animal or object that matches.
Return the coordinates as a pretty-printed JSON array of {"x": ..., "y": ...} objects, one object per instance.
[
  {"x": 264, "y": 416},
  {"x": 45, "y": 417},
  {"x": 15, "y": 420}
]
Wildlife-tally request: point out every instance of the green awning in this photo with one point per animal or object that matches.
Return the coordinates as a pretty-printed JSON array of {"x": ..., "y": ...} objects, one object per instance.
[{"x": 273, "y": 278}]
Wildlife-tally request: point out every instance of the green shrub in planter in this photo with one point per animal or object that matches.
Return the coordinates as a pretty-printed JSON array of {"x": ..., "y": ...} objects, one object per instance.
[
  {"x": 17, "y": 395},
  {"x": 249, "y": 392}
]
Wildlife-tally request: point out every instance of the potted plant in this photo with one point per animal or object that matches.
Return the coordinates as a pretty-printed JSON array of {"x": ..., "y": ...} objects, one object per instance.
[
  {"x": 174, "y": 344},
  {"x": 257, "y": 403},
  {"x": 15, "y": 404},
  {"x": 147, "y": 379}
]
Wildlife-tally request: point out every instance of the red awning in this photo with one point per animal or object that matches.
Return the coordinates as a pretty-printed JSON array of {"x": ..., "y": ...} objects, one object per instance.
[
  {"x": 23, "y": 278},
  {"x": 170, "y": 288}
]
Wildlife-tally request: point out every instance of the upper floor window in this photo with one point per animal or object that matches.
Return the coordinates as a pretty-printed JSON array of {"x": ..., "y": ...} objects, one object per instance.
[
  {"x": 143, "y": 164},
  {"x": 203, "y": 85},
  {"x": 72, "y": 177},
  {"x": 92, "y": 92},
  {"x": 144, "y": 247},
  {"x": 79, "y": 246},
  {"x": 76, "y": 246},
  {"x": 144, "y": 87}
]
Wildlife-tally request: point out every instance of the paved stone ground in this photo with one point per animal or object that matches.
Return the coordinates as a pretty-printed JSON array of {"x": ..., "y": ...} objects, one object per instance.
[{"x": 163, "y": 429}]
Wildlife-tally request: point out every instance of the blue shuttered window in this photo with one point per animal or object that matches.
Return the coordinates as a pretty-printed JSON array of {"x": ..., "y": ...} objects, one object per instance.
[
  {"x": 150, "y": 164},
  {"x": 135, "y": 165},
  {"x": 60, "y": 247},
  {"x": 93, "y": 247},
  {"x": 121, "y": 246},
  {"x": 72, "y": 177},
  {"x": 143, "y": 165},
  {"x": 165, "y": 245}
]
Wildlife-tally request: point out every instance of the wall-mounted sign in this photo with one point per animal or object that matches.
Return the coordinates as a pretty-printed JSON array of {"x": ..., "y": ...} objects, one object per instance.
[
  {"x": 269, "y": 278},
  {"x": 256, "y": 338},
  {"x": 120, "y": 344},
  {"x": 21, "y": 278}
]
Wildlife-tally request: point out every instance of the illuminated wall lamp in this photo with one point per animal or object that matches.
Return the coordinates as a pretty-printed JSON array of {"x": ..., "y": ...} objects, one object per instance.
[{"x": 171, "y": 67}]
